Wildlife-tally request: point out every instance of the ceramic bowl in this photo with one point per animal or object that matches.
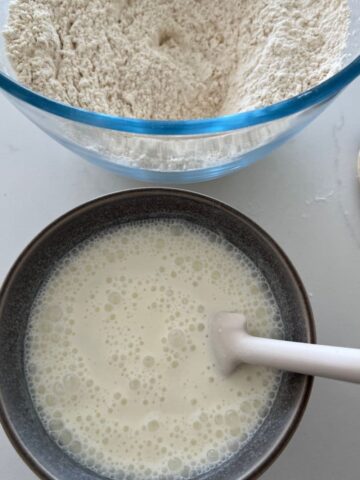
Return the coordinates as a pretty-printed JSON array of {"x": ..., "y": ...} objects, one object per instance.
[{"x": 17, "y": 412}]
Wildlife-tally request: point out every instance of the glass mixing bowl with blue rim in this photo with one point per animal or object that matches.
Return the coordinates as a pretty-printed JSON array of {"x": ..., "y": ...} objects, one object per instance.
[{"x": 185, "y": 151}]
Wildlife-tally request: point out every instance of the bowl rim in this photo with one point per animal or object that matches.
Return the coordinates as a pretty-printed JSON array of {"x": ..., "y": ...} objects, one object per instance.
[
  {"x": 210, "y": 126},
  {"x": 282, "y": 441}
]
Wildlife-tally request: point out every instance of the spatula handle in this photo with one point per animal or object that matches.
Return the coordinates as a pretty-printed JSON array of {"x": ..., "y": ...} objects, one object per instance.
[{"x": 319, "y": 360}]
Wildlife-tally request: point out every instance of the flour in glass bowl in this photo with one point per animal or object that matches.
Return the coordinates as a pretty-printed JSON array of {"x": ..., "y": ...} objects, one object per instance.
[{"x": 165, "y": 59}]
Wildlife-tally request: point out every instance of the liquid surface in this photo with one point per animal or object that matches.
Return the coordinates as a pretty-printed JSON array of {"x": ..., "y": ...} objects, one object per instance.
[{"x": 118, "y": 358}]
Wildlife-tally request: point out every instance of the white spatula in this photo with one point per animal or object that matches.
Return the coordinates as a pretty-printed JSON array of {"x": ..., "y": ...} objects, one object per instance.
[{"x": 233, "y": 345}]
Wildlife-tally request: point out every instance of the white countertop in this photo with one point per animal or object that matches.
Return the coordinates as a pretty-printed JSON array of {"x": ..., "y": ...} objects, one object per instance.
[{"x": 306, "y": 195}]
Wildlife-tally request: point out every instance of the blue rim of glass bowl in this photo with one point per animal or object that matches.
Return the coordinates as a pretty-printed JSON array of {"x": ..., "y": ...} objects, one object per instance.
[{"x": 213, "y": 126}]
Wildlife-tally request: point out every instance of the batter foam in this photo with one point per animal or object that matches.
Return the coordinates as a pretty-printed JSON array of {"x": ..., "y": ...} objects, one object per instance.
[{"x": 118, "y": 358}]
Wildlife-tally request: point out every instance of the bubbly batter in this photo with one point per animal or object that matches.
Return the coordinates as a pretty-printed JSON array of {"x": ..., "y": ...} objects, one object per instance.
[{"x": 118, "y": 357}]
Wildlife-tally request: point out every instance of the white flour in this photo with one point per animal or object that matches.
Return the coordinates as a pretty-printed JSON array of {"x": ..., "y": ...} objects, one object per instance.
[{"x": 165, "y": 59}]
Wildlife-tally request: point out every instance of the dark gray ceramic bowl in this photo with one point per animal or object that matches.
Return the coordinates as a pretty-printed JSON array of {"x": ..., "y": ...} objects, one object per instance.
[{"x": 18, "y": 416}]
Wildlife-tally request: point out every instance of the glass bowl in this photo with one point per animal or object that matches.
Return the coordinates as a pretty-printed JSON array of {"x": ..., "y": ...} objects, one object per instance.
[{"x": 162, "y": 151}]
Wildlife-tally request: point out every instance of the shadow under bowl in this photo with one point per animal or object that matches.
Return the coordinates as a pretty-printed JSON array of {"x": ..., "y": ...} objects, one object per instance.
[{"x": 17, "y": 412}]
